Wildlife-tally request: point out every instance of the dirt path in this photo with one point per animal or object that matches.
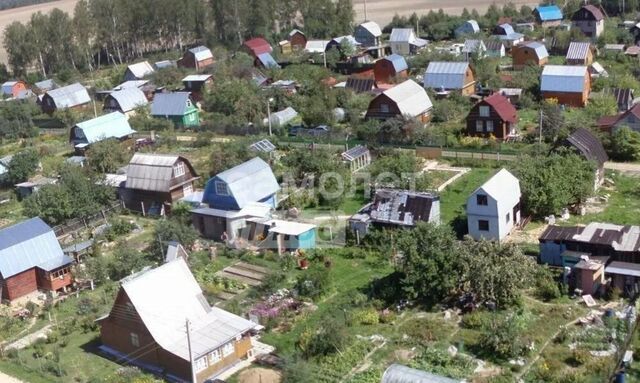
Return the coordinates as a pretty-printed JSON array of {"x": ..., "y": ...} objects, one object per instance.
[
  {"x": 4, "y": 378},
  {"x": 622, "y": 166},
  {"x": 28, "y": 339}
]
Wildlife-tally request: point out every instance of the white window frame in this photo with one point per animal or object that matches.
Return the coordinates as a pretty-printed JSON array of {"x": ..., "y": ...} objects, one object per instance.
[
  {"x": 219, "y": 188},
  {"x": 134, "y": 339},
  {"x": 187, "y": 189},
  {"x": 489, "y": 125},
  {"x": 200, "y": 364},
  {"x": 215, "y": 356},
  {"x": 485, "y": 111},
  {"x": 179, "y": 169},
  {"x": 228, "y": 349},
  {"x": 479, "y": 126}
]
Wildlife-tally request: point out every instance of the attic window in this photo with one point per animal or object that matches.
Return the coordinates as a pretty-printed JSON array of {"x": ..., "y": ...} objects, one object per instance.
[
  {"x": 482, "y": 200},
  {"x": 135, "y": 342},
  {"x": 178, "y": 170},
  {"x": 221, "y": 188},
  {"x": 484, "y": 111}
]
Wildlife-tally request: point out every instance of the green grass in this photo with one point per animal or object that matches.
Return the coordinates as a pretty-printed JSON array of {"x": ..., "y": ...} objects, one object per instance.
[{"x": 454, "y": 197}]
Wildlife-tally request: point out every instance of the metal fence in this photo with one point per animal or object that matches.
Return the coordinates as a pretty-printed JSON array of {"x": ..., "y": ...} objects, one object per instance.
[{"x": 93, "y": 220}]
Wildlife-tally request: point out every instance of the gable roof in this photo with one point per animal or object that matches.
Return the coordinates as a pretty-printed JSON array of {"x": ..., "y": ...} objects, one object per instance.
[
  {"x": 549, "y": 12},
  {"x": 473, "y": 46},
  {"x": 563, "y": 78},
  {"x": 112, "y": 125},
  {"x": 69, "y": 96},
  {"x": 475, "y": 28},
  {"x": 46, "y": 85},
  {"x": 623, "y": 97},
  {"x": 494, "y": 45},
  {"x": 447, "y": 74},
  {"x": 350, "y": 39},
  {"x": 360, "y": 85},
  {"x": 267, "y": 60},
  {"x": 131, "y": 84},
  {"x": 316, "y": 46},
  {"x": 538, "y": 47},
  {"x": 249, "y": 182},
  {"x": 400, "y": 207},
  {"x": 174, "y": 251},
  {"x": 153, "y": 172},
  {"x": 503, "y": 187},
  {"x": 163, "y": 308},
  {"x": 7, "y": 87},
  {"x": 578, "y": 50},
  {"x": 588, "y": 145},
  {"x": 372, "y": 27},
  {"x": 592, "y": 9},
  {"x": 258, "y": 46},
  {"x": 201, "y": 53},
  {"x": 502, "y": 106},
  {"x": 406, "y": 35},
  {"x": 28, "y": 244},
  {"x": 129, "y": 98},
  {"x": 398, "y": 62},
  {"x": 141, "y": 69},
  {"x": 295, "y": 31},
  {"x": 509, "y": 33},
  {"x": 411, "y": 98},
  {"x": 170, "y": 104}
]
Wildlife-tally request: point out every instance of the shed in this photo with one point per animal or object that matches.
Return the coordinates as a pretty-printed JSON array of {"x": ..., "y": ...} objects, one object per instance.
[
  {"x": 368, "y": 34},
  {"x": 397, "y": 373},
  {"x": 67, "y": 97},
  {"x": 177, "y": 107},
  {"x": 469, "y": 27},
  {"x": 580, "y": 53},
  {"x": 407, "y": 99},
  {"x": 597, "y": 70},
  {"x": 265, "y": 60},
  {"x": 316, "y": 46},
  {"x": 112, "y": 125},
  {"x": 197, "y": 82},
  {"x": 138, "y": 71},
  {"x": 174, "y": 251},
  {"x": 507, "y": 35},
  {"x": 126, "y": 100},
  {"x": 197, "y": 58},
  {"x": 591, "y": 148},
  {"x": 297, "y": 39},
  {"x": 570, "y": 85},
  {"x": 13, "y": 89},
  {"x": 33, "y": 185},
  {"x": 391, "y": 67},
  {"x": 474, "y": 47},
  {"x": 529, "y": 53},
  {"x": 449, "y": 75},
  {"x": 257, "y": 46},
  {"x": 403, "y": 41},
  {"x": 360, "y": 85},
  {"x": 495, "y": 48},
  {"x": 45, "y": 86},
  {"x": 548, "y": 15},
  {"x": 165, "y": 64},
  {"x": 282, "y": 117}
]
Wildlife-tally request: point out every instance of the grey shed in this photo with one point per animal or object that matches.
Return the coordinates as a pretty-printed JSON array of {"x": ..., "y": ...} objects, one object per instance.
[
  {"x": 170, "y": 104},
  {"x": 397, "y": 373}
]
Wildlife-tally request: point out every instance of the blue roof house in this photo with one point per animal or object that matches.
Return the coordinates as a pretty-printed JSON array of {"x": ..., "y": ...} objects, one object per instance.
[
  {"x": 469, "y": 27},
  {"x": 548, "y": 15},
  {"x": 109, "y": 126}
]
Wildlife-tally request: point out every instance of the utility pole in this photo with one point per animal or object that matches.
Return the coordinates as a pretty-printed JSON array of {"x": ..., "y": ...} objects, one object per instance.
[
  {"x": 269, "y": 114},
  {"x": 191, "y": 361},
  {"x": 540, "y": 138},
  {"x": 365, "y": 10}
]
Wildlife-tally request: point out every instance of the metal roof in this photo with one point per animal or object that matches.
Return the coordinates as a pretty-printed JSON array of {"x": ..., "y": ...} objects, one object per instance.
[
  {"x": 402, "y": 35},
  {"x": 174, "y": 251},
  {"x": 563, "y": 78},
  {"x": 538, "y": 47},
  {"x": 352, "y": 40},
  {"x": 264, "y": 146},
  {"x": 445, "y": 74},
  {"x": 474, "y": 46},
  {"x": 469, "y": 26},
  {"x": 582, "y": 13},
  {"x": 282, "y": 117},
  {"x": 355, "y": 152},
  {"x": 316, "y": 46},
  {"x": 168, "y": 295},
  {"x": 267, "y": 60},
  {"x": 503, "y": 187},
  {"x": 400, "y": 207},
  {"x": 397, "y": 373},
  {"x": 69, "y": 96},
  {"x": 411, "y": 98},
  {"x": 7, "y": 87},
  {"x": 112, "y": 125},
  {"x": 549, "y": 12},
  {"x": 131, "y": 84},
  {"x": 153, "y": 171},
  {"x": 258, "y": 45},
  {"x": 46, "y": 85},
  {"x": 197, "y": 78},
  {"x": 201, "y": 53},
  {"x": 359, "y": 84},
  {"x": 559, "y": 233},
  {"x": 28, "y": 244},
  {"x": 399, "y": 63},
  {"x": 294, "y": 31},
  {"x": 372, "y": 27},
  {"x": 588, "y": 145},
  {"x": 141, "y": 69},
  {"x": 164, "y": 64},
  {"x": 288, "y": 227},
  {"x": 170, "y": 104},
  {"x": 623, "y": 268},
  {"x": 129, "y": 98},
  {"x": 502, "y": 106},
  {"x": 578, "y": 50}
]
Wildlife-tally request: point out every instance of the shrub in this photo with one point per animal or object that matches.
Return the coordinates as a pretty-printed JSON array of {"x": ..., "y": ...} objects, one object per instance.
[
  {"x": 424, "y": 330},
  {"x": 579, "y": 357},
  {"x": 474, "y": 320},
  {"x": 367, "y": 316},
  {"x": 546, "y": 286},
  {"x": 314, "y": 282},
  {"x": 502, "y": 336}
]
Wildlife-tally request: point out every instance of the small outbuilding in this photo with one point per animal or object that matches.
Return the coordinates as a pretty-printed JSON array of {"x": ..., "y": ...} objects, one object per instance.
[
  {"x": 256, "y": 46},
  {"x": 368, "y": 34},
  {"x": 357, "y": 157},
  {"x": 495, "y": 48},
  {"x": 282, "y": 118},
  {"x": 580, "y": 53},
  {"x": 589, "y": 146},
  {"x": 138, "y": 71},
  {"x": 392, "y": 67},
  {"x": 445, "y": 76},
  {"x": 568, "y": 84},
  {"x": 125, "y": 101},
  {"x": 109, "y": 126},
  {"x": 360, "y": 84},
  {"x": 177, "y": 107},
  {"x": 474, "y": 48},
  {"x": 197, "y": 58},
  {"x": 297, "y": 39},
  {"x": 507, "y": 35},
  {"x": 469, "y": 27},
  {"x": 548, "y": 15},
  {"x": 13, "y": 89},
  {"x": 530, "y": 53},
  {"x": 408, "y": 100},
  {"x": 403, "y": 41},
  {"x": 67, "y": 97}
]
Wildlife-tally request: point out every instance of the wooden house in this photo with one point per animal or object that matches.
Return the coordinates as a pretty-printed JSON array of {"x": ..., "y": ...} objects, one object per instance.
[
  {"x": 297, "y": 40},
  {"x": 156, "y": 181},
  {"x": 629, "y": 118},
  {"x": 548, "y": 15},
  {"x": 67, "y": 97},
  {"x": 197, "y": 85},
  {"x": 392, "y": 67},
  {"x": 590, "y": 20},
  {"x": 256, "y": 46},
  {"x": 108, "y": 126},
  {"x": 126, "y": 101},
  {"x": 530, "y": 53},
  {"x": 407, "y": 100},
  {"x": 624, "y": 98},
  {"x": 506, "y": 34},
  {"x": 580, "y": 53},
  {"x": 495, "y": 48},
  {"x": 469, "y": 27},
  {"x": 32, "y": 260},
  {"x": 138, "y": 71},
  {"x": 570, "y": 85},
  {"x": 368, "y": 34},
  {"x": 447, "y": 76},
  {"x": 493, "y": 116},
  {"x": 14, "y": 89},
  {"x": 197, "y": 58},
  {"x": 148, "y": 321},
  {"x": 403, "y": 41},
  {"x": 176, "y": 107}
]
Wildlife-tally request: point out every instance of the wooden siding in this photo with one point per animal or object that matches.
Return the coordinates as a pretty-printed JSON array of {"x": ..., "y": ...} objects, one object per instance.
[
  {"x": 586, "y": 61},
  {"x": 19, "y": 285},
  {"x": 188, "y": 60},
  {"x": 523, "y": 56},
  {"x": 469, "y": 83},
  {"x": 572, "y": 99},
  {"x": 50, "y": 282},
  {"x": 298, "y": 41},
  {"x": 385, "y": 72},
  {"x": 500, "y": 127}
]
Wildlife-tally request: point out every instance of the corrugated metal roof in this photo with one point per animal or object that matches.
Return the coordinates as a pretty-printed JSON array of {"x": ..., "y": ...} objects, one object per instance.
[
  {"x": 294, "y": 31},
  {"x": 595, "y": 12},
  {"x": 503, "y": 187},
  {"x": 623, "y": 268},
  {"x": 29, "y": 244},
  {"x": 258, "y": 46},
  {"x": 549, "y": 12},
  {"x": 468, "y": 27},
  {"x": 402, "y": 35},
  {"x": 494, "y": 45},
  {"x": 589, "y": 145},
  {"x": 352, "y": 40},
  {"x": 411, "y": 98},
  {"x": 474, "y": 46},
  {"x": 70, "y": 96},
  {"x": 141, "y": 69},
  {"x": 197, "y": 77},
  {"x": 578, "y": 50},
  {"x": 170, "y": 104},
  {"x": 7, "y": 88},
  {"x": 563, "y": 78},
  {"x": 267, "y": 60},
  {"x": 316, "y": 46},
  {"x": 153, "y": 172},
  {"x": 372, "y": 27},
  {"x": 131, "y": 84},
  {"x": 112, "y": 125},
  {"x": 288, "y": 227},
  {"x": 399, "y": 63},
  {"x": 201, "y": 53},
  {"x": 445, "y": 74},
  {"x": 46, "y": 85},
  {"x": 360, "y": 85},
  {"x": 397, "y": 373},
  {"x": 539, "y": 48},
  {"x": 129, "y": 98},
  {"x": 167, "y": 295}
]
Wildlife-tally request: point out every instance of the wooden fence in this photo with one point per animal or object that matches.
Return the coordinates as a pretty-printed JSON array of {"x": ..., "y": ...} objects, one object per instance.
[{"x": 94, "y": 220}]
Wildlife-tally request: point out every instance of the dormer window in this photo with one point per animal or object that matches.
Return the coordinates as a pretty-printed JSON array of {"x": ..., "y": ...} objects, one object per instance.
[
  {"x": 178, "y": 170},
  {"x": 221, "y": 188}
]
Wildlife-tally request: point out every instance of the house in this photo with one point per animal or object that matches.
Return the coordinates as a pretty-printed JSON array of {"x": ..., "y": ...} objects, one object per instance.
[
  {"x": 397, "y": 373},
  {"x": 256, "y": 46},
  {"x": 629, "y": 118},
  {"x": 624, "y": 98},
  {"x": 316, "y": 46},
  {"x": 590, "y": 20},
  {"x": 297, "y": 40},
  {"x": 265, "y": 60},
  {"x": 450, "y": 76},
  {"x": 279, "y": 235},
  {"x": 529, "y": 53},
  {"x": 495, "y": 48},
  {"x": 31, "y": 259},
  {"x": 360, "y": 84},
  {"x": 138, "y": 71},
  {"x": 197, "y": 82},
  {"x": 197, "y": 58},
  {"x": 408, "y": 100},
  {"x": 156, "y": 181},
  {"x": 506, "y": 34},
  {"x": 177, "y": 107},
  {"x": 548, "y": 15},
  {"x": 368, "y": 34},
  {"x": 580, "y": 53},
  {"x": 589, "y": 146},
  {"x": 570, "y": 85},
  {"x": 474, "y": 48},
  {"x": 357, "y": 158},
  {"x": 44, "y": 86},
  {"x": 125, "y": 101},
  {"x": 146, "y": 326},
  {"x": 512, "y": 94},
  {"x": 403, "y": 41},
  {"x": 397, "y": 209},
  {"x": 174, "y": 251},
  {"x": 493, "y": 210},
  {"x": 339, "y": 41},
  {"x": 386, "y": 69},
  {"x": 281, "y": 118},
  {"x": 563, "y": 245},
  {"x": 33, "y": 185},
  {"x": 109, "y": 126},
  {"x": 494, "y": 116},
  {"x": 469, "y": 27},
  {"x": 68, "y": 97},
  {"x": 14, "y": 89}
]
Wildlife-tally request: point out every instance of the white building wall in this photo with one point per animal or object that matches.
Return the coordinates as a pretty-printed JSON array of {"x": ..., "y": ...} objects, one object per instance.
[{"x": 495, "y": 213}]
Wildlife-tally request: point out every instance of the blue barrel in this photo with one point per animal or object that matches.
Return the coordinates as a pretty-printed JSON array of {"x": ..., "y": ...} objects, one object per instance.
[
  {"x": 609, "y": 313},
  {"x": 620, "y": 377}
]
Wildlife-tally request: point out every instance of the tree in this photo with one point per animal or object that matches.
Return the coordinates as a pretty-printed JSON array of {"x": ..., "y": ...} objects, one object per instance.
[
  {"x": 314, "y": 282},
  {"x": 396, "y": 167},
  {"x": 169, "y": 230},
  {"x": 229, "y": 154},
  {"x": 18, "y": 47},
  {"x": 502, "y": 336},
  {"x": 552, "y": 120},
  {"x": 52, "y": 203},
  {"x": 126, "y": 260},
  {"x": 106, "y": 156},
  {"x": 625, "y": 145},
  {"x": 22, "y": 166},
  {"x": 430, "y": 263}
]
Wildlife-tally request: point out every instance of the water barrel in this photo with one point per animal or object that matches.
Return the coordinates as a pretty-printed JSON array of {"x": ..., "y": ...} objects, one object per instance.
[
  {"x": 609, "y": 313},
  {"x": 620, "y": 377}
]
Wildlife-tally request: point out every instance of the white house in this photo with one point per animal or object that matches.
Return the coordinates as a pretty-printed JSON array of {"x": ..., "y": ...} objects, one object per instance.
[{"x": 493, "y": 210}]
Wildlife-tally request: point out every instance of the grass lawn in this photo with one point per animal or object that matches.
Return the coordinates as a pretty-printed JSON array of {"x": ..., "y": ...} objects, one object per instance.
[{"x": 454, "y": 197}]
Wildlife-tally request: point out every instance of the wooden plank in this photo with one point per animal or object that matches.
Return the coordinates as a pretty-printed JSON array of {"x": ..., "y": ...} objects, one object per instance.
[
  {"x": 254, "y": 268},
  {"x": 244, "y": 273}
]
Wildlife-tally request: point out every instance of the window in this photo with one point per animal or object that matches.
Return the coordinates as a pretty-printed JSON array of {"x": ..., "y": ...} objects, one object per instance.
[
  {"x": 482, "y": 200},
  {"x": 178, "y": 170},
  {"x": 135, "y": 342},
  {"x": 187, "y": 189},
  {"x": 484, "y": 111},
  {"x": 479, "y": 126},
  {"x": 483, "y": 225},
  {"x": 489, "y": 126},
  {"x": 508, "y": 218},
  {"x": 384, "y": 108},
  {"x": 200, "y": 364},
  {"x": 228, "y": 349},
  {"x": 214, "y": 356},
  {"x": 189, "y": 104},
  {"x": 221, "y": 188}
]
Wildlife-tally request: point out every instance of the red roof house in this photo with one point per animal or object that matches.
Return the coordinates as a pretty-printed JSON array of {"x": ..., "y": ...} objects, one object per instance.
[
  {"x": 257, "y": 46},
  {"x": 630, "y": 118},
  {"x": 493, "y": 116}
]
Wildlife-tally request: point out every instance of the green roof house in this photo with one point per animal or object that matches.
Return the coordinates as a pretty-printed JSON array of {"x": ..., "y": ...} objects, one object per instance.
[{"x": 176, "y": 107}]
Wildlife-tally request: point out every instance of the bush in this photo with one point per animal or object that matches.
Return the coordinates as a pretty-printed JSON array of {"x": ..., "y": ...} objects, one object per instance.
[
  {"x": 579, "y": 357},
  {"x": 546, "y": 287},
  {"x": 474, "y": 320},
  {"x": 502, "y": 336},
  {"x": 365, "y": 316},
  {"x": 313, "y": 282}
]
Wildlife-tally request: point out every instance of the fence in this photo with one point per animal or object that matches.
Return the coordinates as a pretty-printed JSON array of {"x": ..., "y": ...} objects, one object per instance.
[{"x": 76, "y": 224}]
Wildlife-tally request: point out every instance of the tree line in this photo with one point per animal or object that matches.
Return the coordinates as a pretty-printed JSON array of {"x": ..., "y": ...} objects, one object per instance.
[{"x": 103, "y": 32}]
